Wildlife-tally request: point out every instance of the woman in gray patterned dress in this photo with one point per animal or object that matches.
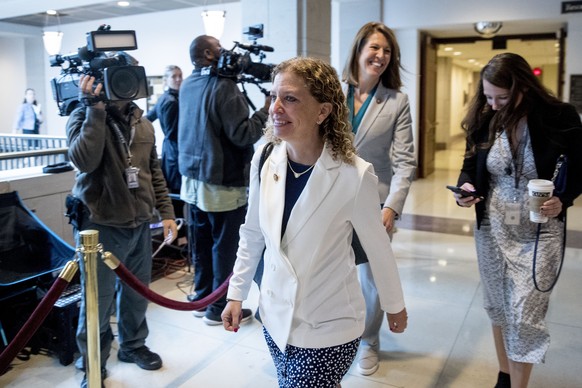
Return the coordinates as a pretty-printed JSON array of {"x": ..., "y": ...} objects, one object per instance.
[{"x": 516, "y": 130}]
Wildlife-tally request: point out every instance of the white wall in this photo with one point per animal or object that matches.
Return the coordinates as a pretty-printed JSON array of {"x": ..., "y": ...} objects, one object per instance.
[
  {"x": 13, "y": 79},
  {"x": 430, "y": 14}
]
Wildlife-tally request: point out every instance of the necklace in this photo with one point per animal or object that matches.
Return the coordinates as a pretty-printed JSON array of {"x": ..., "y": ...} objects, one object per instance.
[{"x": 298, "y": 174}]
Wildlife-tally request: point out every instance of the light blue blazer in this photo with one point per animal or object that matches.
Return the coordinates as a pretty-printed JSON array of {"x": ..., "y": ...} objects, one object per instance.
[
  {"x": 310, "y": 293},
  {"x": 384, "y": 138}
]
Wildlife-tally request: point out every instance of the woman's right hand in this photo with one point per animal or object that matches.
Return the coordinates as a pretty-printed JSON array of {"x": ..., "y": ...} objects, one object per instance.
[
  {"x": 232, "y": 315},
  {"x": 467, "y": 201}
]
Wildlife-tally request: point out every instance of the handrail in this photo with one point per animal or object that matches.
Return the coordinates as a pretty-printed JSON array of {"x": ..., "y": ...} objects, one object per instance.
[
  {"x": 21, "y": 151},
  {"x": 25, "y": 154}
]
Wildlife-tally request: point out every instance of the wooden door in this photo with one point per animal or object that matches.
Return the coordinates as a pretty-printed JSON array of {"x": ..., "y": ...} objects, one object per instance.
[{"x": 427, "y": 110}]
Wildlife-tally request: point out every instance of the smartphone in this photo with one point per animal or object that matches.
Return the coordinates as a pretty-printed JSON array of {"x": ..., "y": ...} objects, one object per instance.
[{"x": 464, "y": 193}]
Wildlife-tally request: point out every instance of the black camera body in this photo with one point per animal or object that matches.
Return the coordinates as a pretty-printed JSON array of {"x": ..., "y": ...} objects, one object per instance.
[
  {"x": 240, "y": 66},
  {"x": 103, "y": 58}
]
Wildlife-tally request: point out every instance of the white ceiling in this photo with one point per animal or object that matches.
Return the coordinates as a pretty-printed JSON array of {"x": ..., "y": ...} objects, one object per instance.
[{"x": 32, "y": 13}]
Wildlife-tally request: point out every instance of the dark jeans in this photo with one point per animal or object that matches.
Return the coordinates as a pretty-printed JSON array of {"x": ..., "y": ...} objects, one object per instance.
[{"x": 216, "y": 236}]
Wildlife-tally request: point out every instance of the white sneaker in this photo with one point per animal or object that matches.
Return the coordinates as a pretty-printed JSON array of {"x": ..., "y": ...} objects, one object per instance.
[{"x": 368, "y": 360}]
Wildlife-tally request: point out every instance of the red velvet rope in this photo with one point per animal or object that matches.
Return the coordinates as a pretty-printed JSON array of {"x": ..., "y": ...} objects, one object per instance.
[
  {"x": 45, "y": 306},
  {"x": 125, "y": 275},
  {"x": 32, "y": 324}
]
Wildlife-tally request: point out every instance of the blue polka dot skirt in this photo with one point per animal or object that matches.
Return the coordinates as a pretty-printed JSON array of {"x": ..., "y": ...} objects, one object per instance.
[{"x": 312, "y": 367}]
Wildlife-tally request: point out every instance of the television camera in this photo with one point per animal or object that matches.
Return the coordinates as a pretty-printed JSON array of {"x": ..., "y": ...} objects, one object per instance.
[
  {"x": 239, "y": 65},
  {"x": 103, "y": 58}
]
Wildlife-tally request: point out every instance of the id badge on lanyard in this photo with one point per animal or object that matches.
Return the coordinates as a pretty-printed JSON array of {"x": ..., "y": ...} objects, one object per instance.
[
  {"x": 131, "y": 177},
  {"x": 131, "y": 172},
  {"x": 512, "y": 213}
]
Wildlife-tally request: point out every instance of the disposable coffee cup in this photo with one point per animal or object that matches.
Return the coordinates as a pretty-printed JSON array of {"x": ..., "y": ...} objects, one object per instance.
[{"x": 540, "y": 190}]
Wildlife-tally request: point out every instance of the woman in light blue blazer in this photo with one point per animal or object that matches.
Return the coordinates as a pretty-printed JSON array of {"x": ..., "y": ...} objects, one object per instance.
[
  {"x": 313, "y": 192},
  {"x": 381, "y": 122}
]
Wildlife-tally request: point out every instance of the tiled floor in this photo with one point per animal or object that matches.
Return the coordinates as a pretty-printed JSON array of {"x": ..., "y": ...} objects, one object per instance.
[{"x": 448, "y": 342}]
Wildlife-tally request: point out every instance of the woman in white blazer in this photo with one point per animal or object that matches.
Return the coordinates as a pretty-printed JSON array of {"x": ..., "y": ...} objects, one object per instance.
[
  {"x": 312, "y": 194},
  {"x": 381, "y": 121}
]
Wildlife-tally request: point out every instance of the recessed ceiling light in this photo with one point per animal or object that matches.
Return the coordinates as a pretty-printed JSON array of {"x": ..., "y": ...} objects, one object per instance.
[
  {"x": 471, "y": 60},
  {"x": 51, "y": 12},
  {"x": 457, "y": 53},
  {"x": 123, "y": 3},
  {"x": 448, "y": 48}
]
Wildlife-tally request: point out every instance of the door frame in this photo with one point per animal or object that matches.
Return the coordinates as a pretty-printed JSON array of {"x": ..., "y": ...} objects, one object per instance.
[{"x": 427, "y": 41}]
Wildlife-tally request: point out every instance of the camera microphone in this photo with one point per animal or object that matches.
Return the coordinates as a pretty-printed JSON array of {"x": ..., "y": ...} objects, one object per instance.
[{"x": 256, "y": 47}]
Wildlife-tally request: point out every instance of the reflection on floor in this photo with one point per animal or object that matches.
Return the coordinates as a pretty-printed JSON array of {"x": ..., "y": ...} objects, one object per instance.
[{"x": 448, "y": 342}]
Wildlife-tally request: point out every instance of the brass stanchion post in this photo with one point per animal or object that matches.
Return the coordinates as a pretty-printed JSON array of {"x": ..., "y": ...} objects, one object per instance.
[{"x": 90, "y": 247}]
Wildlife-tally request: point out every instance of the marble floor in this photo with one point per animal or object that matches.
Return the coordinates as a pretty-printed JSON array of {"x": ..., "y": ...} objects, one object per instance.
[{"x": 448, "y": 342}]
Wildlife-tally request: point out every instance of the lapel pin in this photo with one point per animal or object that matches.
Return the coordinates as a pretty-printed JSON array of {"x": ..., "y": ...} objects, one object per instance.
[{"x": 276, "y": 177}]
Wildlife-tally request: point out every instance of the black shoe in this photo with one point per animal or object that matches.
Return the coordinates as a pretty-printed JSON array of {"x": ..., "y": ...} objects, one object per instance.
[
  {"x": 84, "y": 383},
  {"x": 143, "y": 357},
  {"x": 503, "y": 380},
  {"x": 193, "y": 297}
]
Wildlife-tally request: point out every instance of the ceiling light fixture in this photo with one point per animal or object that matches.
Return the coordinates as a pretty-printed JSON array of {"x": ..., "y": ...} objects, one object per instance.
[
  {"x": 488, "y": 29},
  {"x": 52, "y": 39},
  {"x": 214, "y": 23}
]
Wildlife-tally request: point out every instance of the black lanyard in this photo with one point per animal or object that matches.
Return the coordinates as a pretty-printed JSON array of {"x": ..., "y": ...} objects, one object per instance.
[{"x": 126, "y": 146}]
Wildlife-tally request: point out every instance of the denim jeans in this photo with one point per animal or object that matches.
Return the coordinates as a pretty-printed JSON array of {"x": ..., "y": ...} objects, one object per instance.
[{"x": 216, "y": 242}]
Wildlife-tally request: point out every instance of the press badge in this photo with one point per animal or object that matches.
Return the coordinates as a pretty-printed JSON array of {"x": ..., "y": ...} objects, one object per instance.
[
  {"x": 131, "y": 175},
  {"x": 512, "y": 213}
]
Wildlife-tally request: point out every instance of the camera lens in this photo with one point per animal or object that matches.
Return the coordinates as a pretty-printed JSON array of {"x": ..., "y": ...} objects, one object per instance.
[{"x": 125, "y": 83}]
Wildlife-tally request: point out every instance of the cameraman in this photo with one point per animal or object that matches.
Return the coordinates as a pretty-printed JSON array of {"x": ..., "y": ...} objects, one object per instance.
[
  {"x": 118, "y": 185},
  {"x": 215, "y": 140}
]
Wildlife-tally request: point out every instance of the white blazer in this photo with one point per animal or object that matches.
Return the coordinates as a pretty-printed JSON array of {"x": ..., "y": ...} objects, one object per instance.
[{"x": 310, "y": 293}]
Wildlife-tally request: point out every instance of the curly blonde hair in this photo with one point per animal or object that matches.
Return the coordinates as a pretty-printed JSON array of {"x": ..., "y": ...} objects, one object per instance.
[{"x": 324, "y": 85}]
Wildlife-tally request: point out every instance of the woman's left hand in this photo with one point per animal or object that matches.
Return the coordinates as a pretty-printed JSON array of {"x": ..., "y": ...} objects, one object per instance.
[
  {"x": 398, "y": 322},
  {"x": 551, "y": 208}
]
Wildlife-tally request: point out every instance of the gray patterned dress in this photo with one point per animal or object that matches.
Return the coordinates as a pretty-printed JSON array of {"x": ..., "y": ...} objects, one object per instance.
[{"x": 505, "y": 253}]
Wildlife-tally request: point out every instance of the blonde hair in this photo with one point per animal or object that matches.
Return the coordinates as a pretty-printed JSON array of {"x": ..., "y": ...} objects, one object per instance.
[{"x": 324, "y": 85}]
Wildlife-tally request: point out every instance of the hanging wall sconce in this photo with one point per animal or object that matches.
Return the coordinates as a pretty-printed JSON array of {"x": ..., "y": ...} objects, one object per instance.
[
  {"x": 52, "y": 39},
  {"x": 214, "y": 23}
]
